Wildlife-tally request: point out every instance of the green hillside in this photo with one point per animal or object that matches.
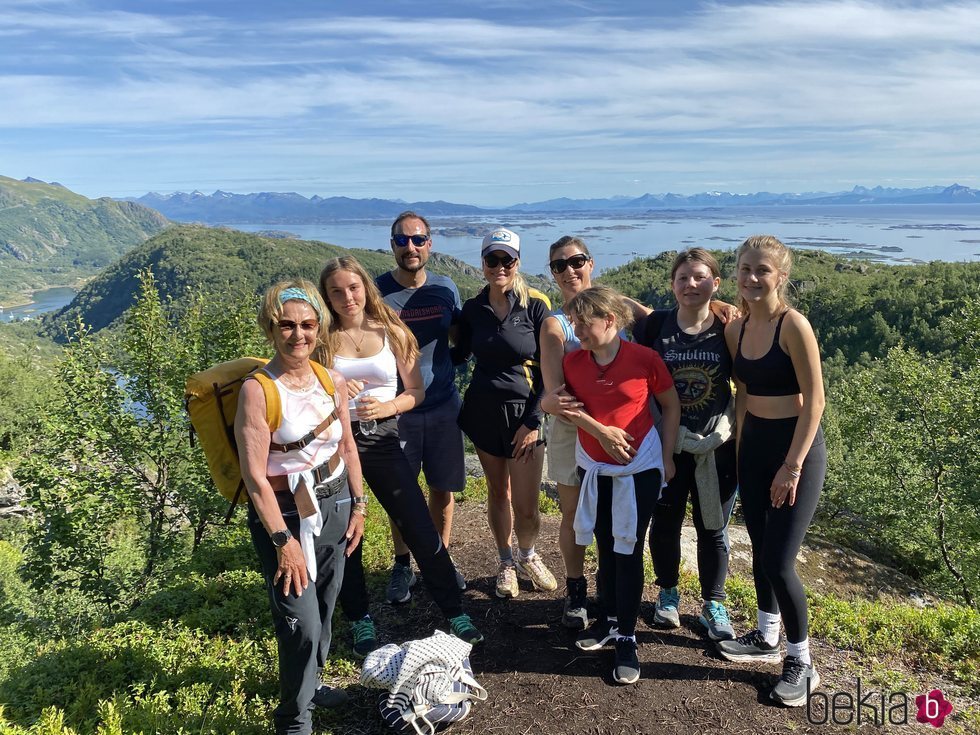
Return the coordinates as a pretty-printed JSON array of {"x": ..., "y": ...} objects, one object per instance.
[
  {"x": 50, "y": 236},
  {"x": 216, "y": 260}
]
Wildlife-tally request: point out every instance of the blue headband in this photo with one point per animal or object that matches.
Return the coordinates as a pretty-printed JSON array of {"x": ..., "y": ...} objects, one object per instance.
[{"x": 298, "y": 294}]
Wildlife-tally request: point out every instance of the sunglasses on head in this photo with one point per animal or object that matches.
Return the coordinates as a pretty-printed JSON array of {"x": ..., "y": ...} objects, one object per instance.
[
  {"x": 403, "y": 240},
  {"x": 493, "y": 261},
  {"x": 558, "y": 265}
]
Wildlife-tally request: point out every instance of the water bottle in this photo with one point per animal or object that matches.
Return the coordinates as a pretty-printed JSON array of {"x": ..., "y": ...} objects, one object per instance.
[{"x": 368, "y": 427}]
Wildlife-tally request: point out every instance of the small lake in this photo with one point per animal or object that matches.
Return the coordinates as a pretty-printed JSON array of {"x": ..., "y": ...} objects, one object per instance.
[{"x": 49, "y": 299}]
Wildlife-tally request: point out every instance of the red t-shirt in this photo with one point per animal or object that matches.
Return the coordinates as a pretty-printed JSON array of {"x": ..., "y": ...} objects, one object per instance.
[{"x": 616, "y": 394}]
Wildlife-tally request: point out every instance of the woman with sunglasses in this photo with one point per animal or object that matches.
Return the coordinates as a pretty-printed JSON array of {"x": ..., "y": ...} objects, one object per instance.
[{"x": 501, "y": 327}]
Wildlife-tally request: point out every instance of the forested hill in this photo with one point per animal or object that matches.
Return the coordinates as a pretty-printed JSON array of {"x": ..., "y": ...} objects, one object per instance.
[
  {"x": 191, "y": 257},
  {"x": 50, "y": 236},
  {"x": 858, "y": 309}
]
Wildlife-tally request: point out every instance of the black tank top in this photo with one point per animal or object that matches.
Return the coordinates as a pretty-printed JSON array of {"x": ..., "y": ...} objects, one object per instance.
[{"x": 770, "y": 375}]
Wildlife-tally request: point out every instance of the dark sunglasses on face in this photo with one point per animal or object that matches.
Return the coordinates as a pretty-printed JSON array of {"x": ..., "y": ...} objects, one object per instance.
[
  {"x": 403, "y": 240},
  {"x": 493, "y": 261},
  {"x": 558, "y": 265}
]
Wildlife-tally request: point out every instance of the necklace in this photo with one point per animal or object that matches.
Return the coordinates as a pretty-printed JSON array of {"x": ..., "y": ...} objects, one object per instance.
[
  {"x": 357, "y": 345},
  {"x": 297, "y": 384}
]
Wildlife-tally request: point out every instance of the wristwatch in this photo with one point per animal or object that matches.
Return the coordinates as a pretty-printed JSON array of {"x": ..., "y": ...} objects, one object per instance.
[{"x": 281, "y": 538}]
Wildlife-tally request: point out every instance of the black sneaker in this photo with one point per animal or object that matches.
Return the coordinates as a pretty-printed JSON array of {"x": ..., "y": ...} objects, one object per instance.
[
  {"x": 601, "y": 632},
  {"x": 364, "y": 635},
  {"x": 574, "y": 614},
  {"x": 749, "y": 647},
  {"x": 462, "y": 627},
  {"x": 627, "y": 668},
  {"x": 326, "y": 697},
  {"x": 796, "y": 682}
]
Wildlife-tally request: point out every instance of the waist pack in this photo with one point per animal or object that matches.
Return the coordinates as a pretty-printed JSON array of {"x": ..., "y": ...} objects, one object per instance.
[
  {"x": 429, "y": 681},
  {"x": 211, "y": 399}
]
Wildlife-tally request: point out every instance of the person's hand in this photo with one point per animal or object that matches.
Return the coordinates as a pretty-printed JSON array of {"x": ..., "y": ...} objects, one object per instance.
[
  {"x": 354, "y": 387},
  {"x": 724, "y": 311},
  {"x": 560, "y": 402},
  {"x": 669, "y": 469},
  {"x": 524, "y": 443},
  {"x": 616, "y": 443},
  {"x": 355, "y": 530},
  {"x": 783, "y": 489},
  {"x": 292, "y": 568},
  {"x": 369, "y": 408}
]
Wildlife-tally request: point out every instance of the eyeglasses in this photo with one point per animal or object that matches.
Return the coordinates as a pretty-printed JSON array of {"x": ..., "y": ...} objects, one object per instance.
[
  {"x": 493, "y": 261},
  {"x": 558, "y": 265},
  {"x": 287, "y": 326},
  {"x": 403, "y": 240}
]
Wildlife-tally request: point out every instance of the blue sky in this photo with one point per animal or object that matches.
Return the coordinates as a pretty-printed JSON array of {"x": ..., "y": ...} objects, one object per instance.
[{"x": 490, "y": 103}]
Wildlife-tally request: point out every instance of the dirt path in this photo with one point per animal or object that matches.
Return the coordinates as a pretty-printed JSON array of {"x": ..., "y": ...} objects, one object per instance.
[{"x": 539, "y": 683}]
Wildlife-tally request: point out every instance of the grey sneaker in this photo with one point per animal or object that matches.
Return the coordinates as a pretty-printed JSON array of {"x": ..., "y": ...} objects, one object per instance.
[
  {"x": 627, "y": 668},
  {"x": 400, "y": 585},
  {"x": 749, "y": 647},
  {"x": 665, "y": 612},
  {"x": 796, "y": 682},
  {"x": 714, "y": 617},
  {"x": 326, "y": 697},
  {"x": 601, "y": 632},
  {"x": 574, "y": 615}
]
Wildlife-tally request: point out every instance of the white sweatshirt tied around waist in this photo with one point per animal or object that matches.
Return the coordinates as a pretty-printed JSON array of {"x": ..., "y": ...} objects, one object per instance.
[{"x": 649, "y": 456}]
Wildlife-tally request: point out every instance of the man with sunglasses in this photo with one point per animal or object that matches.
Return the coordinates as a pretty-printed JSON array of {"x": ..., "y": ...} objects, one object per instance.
[{"x": 429, "y": 304}]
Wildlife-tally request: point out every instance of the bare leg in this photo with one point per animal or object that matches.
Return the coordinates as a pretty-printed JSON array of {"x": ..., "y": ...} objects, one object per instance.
[
  {"x": 572, "y": 553},
  {"x": 525, "y": 478},
  {"x": 498, "y": 498},
  {"x": 441, "y": 506}
]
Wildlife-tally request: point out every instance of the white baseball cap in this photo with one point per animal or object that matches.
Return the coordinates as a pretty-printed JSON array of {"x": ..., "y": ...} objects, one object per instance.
[{"x": 502, "y": 239}]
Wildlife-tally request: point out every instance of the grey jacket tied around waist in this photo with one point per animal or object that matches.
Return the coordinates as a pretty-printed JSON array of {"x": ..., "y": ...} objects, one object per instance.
[{"x": 705, "y": 472}]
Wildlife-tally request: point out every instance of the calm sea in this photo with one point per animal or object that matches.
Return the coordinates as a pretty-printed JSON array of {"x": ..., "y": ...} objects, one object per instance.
[{"x": 890, "y": 233}]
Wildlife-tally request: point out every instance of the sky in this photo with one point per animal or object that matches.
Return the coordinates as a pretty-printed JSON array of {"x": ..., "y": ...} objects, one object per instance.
[{"x": 491, "y": 103}]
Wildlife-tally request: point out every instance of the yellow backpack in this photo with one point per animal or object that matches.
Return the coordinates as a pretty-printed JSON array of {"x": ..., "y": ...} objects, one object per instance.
[{"x": 211, "y": 398}]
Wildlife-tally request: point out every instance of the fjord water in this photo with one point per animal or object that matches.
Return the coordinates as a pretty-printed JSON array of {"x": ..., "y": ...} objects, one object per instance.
[{"x": 922, "y": 232}]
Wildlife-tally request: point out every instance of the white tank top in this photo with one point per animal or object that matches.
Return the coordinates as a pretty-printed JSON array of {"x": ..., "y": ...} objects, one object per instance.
[
  {"x": 303, "y": 411},
  {"x": 379, "y": 373}
]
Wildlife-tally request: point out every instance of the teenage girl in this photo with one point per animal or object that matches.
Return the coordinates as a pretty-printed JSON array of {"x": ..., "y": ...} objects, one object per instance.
[
  {"x": 621, "y": 459},
  {"x": 782, "y": 458}
]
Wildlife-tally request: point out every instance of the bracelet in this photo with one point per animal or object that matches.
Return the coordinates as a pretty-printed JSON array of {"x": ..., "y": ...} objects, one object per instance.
[{"x": 794, "y": 472}]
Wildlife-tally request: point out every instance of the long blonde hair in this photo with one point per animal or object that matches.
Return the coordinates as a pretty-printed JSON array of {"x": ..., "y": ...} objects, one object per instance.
[
  {"x": 780, "y": 256},
  {"x": 403, "y": 342}
]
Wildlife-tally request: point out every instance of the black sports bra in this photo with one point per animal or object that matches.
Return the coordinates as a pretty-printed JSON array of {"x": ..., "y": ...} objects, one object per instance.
[{"x": 770, "y": 375}]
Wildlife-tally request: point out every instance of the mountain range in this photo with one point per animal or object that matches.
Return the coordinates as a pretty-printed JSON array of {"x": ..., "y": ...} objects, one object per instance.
[{"x": 292, "y": 208}]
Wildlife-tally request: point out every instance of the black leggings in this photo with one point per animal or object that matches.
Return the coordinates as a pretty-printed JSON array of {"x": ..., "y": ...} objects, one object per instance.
[
  {"x": 777, "y": 533},
  {"x": 387, "y": 472},
  {"x": 668, "y": 517},
  {"x": 620, "y": 576}
]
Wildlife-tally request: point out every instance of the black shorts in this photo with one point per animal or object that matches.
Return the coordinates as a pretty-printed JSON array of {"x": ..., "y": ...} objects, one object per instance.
[{"x": 491, "y": 423}]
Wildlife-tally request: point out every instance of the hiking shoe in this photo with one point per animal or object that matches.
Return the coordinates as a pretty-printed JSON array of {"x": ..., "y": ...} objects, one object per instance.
[
  {"x": 597, "y": 635},
  {"x": 665, "y": 612},
  {"x": 627, "y": 668},
  {"x": 749, "y": 647},
  {"x": 535, "y": 570},
  {"x": 574, "y": 615},
  {"x": 400, "y": 585},
  {"x": 365, "y": 636},
  {"x": 796, "y": 682},
  {"x": 462, "y": 627},
  {"x": 714, "y": 617},
  {"x": 326, "y": 697},
  {"x": 507, "y": 580}
]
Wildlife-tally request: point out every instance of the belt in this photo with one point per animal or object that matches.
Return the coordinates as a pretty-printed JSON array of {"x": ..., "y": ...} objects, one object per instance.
[
  {"x": 320, "y": 474},
  {"x": 326, "y": 488}
]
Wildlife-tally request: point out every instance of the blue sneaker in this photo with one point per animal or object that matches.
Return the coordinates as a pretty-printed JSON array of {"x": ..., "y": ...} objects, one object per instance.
[
  {"x": 665, "y": 613},
  {"x": 714, "y": 617}
]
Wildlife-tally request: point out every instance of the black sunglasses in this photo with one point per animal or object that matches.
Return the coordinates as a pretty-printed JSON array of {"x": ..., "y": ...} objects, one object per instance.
[
  {"x": 558, "y": 265},
  {"x": 403, "y": 240},
  {"x": 493, "y": 261}
]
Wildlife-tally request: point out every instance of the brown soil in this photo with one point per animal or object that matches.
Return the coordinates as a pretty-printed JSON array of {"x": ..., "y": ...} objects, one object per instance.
[{"x": 539, "y": 683}]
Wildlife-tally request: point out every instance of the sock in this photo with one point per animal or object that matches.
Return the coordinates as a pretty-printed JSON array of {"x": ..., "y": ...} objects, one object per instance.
[
  {"x": 801, "y": 650},
  {"x": 525, "y": 554},
  {"x": 769, "y": 625},
  {"x": 403, "y": 559},
  {"x": 506, "y": 554}
]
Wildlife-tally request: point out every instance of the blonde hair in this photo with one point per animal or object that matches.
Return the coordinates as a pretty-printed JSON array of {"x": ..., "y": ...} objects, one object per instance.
[
  {"x": 270, "y": 312},
  {"x": 598, "y": 302},
  {"x": 403, "y": 342},
  {"x": 781, "y": 258}
]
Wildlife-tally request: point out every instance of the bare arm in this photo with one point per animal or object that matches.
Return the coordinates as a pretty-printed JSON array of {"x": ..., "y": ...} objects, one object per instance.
[
  {"x": 348, "y": 451},
  {"x": 731, "y": 339},
  {"x": 724, "y": 311},
  {"x": 638, "y": 309},
  {"x": 670, "y": 409},
  {"x": 413, "y": 393}
]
